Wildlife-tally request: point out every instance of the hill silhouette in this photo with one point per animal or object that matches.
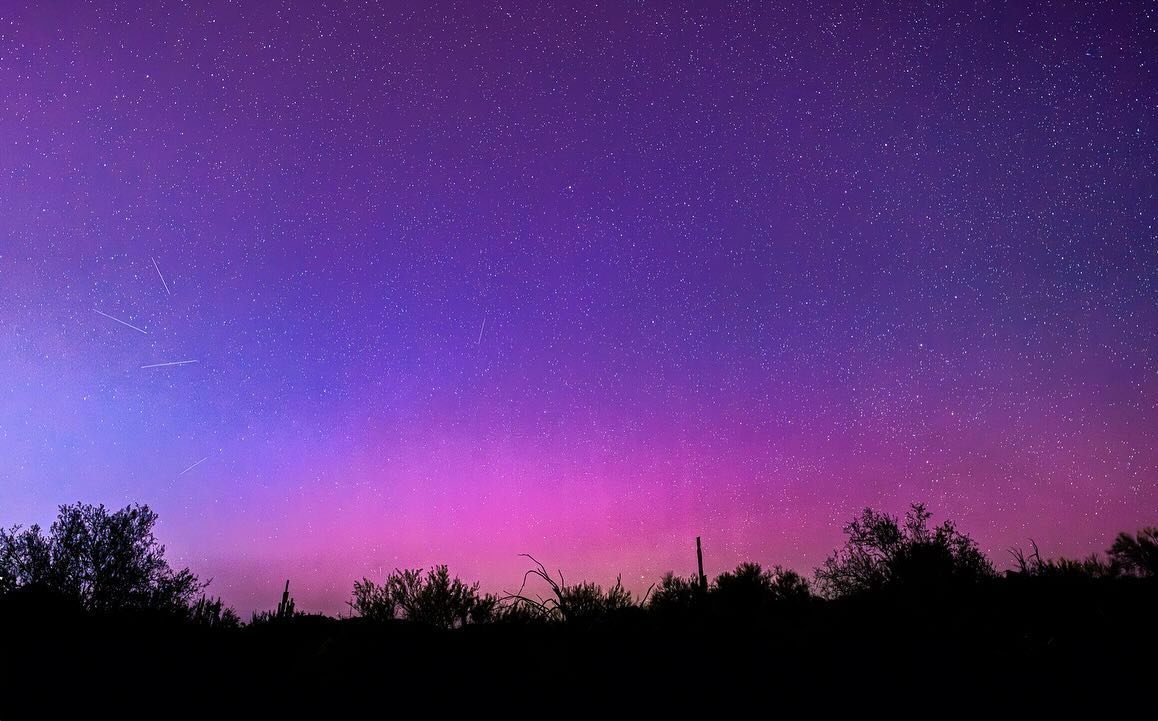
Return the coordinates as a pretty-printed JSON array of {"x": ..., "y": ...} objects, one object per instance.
[{"x": 903, "y": 620}]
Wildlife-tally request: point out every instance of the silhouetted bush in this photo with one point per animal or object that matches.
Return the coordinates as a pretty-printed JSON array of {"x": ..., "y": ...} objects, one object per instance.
[
  {"x": 751, "y": 589},
  {"x": 373, "y": 601},
  {"x": 213, "y": 613},
  {"x": 675, "y": 595},
  {"x": 882, "y": 554},
  {"x": 588, "y": 601},
  {"x": 573, "y": 603},
  {"x": 432, "y": 599},
  {"x": 1034, "y": 566},
  {"x": 515, "y": 613},
  {"x": 1136, "y": 555}
]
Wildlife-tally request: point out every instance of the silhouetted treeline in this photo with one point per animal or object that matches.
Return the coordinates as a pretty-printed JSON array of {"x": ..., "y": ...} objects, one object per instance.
[
  {"x": 104, "y": 562},
  {"x": 904, "y": 615}
]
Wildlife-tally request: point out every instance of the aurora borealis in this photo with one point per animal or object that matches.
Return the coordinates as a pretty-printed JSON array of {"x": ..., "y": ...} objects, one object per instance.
[{"x": 468, "y": 280}]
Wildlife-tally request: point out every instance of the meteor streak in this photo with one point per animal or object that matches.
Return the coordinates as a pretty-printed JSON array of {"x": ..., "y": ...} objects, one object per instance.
[
  {"x": 121, "y": 322},
  {"x": 169, "y": 292},
  {"x": 171, "y": 363},
  {"x": 193, "y": 466}
]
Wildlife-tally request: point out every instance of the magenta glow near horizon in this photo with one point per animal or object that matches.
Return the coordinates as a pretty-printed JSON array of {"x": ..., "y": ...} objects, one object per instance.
[{"x": 342, "y": 287}]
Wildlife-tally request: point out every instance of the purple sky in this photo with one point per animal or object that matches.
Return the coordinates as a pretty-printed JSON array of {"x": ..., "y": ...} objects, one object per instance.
[{"x": 468, "y": 280}]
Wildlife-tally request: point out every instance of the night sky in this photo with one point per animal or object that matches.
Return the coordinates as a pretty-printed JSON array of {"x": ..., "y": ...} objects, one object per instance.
[{"x": 451, "y": 282}]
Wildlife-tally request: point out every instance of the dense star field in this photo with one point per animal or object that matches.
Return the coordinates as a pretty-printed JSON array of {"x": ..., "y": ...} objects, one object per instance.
[{"x": 342, "y": 287}]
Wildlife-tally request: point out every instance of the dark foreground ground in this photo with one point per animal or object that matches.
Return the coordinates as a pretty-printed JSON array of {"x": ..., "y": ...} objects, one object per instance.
[{"x": 1087, "y": 652}]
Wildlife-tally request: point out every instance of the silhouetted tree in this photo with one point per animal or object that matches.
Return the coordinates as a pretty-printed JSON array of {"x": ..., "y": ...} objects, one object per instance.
[
  {"x": 880, "y": 553},
  {"x": 433, "y": 599},
  {"x": 105, "y": 560},
  {"x": 1136, "y": 555},
  {"x": 25, "y": 558}
]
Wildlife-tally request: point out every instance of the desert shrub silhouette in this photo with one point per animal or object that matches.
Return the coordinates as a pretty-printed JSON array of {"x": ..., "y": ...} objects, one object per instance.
[
  {"x": 1136, "y": 555},
  {"x": 882, "y": 554},
  {"x": 675, "y": 596},
  {"x": 213, "y": 613},
  {"x": 578, "y": 603},
  {"x": 750, "y": 590},
  {"x": 1032, "y": 565},
  {"x": 431, "y": 599}
]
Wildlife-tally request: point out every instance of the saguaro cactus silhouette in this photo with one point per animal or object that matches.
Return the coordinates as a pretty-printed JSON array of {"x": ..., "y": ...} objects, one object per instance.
[
  {"x": 702, "y": 579},
  {"x": 285, "y": 609}
]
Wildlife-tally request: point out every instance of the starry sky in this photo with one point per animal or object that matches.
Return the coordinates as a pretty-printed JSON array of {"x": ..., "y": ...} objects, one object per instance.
[{"x": 459, "y": 281}]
